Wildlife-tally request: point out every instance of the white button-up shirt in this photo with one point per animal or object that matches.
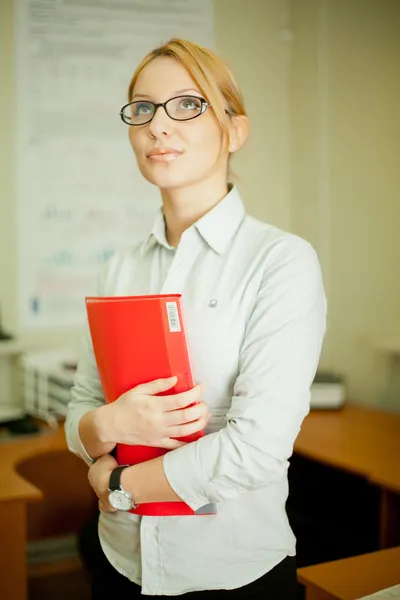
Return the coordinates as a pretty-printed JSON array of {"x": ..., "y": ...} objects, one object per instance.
[{"x": 255, "y": 313}]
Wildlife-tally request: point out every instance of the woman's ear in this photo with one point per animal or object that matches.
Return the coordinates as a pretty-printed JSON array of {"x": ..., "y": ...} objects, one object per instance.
[{"x": 239, "y": 129}]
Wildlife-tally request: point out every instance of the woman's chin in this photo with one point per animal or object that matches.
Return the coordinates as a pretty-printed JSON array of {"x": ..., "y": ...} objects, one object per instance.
[{"x": 166, "y": 181}]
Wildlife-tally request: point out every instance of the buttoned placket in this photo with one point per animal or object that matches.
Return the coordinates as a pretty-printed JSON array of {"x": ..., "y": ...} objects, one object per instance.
[
  {"x": 151, "y": 527},
  {"x": 182, "y": 264}
]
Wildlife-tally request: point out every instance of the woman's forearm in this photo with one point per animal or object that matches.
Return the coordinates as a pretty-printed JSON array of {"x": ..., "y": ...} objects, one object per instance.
[
  {"x": 93, "y": 433},
  {"x": 147, "y": 482}
]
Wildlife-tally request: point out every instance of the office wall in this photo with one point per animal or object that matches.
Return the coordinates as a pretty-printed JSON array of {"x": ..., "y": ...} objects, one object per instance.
[
  {"x": 7, "y": 195},
  {"x": 321, "y": 86},
  {"x": 345, "y": 177}
]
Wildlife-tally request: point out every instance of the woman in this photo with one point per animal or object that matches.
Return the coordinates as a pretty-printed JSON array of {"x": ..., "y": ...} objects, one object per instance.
[{"x": 255, "y": 313}]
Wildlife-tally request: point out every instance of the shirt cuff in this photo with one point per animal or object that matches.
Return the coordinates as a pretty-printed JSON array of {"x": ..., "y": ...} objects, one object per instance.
[
  {"x": 74, "y": 441},
  {"x": 185, "y": 475}
]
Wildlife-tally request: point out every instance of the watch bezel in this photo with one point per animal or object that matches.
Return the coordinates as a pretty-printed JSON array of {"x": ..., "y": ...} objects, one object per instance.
[{"x": 121, "y": 494}]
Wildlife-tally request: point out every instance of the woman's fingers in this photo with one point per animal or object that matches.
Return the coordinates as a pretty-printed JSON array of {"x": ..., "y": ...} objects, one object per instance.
[
  {"x": 155, "y": 387},
  {"x": 171, "y": 444},
  {"x": 106, "y": 508},
  {"x": 188, "y": 428},
  {"x": 186, "y": 415},
  {"x": 177, "y": 401},
  {"x": 153, "y": 416}
]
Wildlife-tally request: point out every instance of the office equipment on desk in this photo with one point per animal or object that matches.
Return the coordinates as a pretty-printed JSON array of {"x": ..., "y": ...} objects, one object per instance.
[
  {"x": 47, "y": 378},
  {"x": 137, "y": 339},
  {"x": 327, "y": 391}
]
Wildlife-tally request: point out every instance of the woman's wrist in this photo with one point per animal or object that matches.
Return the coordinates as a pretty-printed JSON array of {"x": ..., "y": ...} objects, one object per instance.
[
  {"x": 128, "y": 482},
  {"x": 92, "y": 430},
  {"x": 102, "y": 423}
]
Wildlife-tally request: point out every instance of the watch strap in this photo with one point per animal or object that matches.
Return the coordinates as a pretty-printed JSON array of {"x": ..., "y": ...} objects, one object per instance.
[{"x": 115, "y": 478}]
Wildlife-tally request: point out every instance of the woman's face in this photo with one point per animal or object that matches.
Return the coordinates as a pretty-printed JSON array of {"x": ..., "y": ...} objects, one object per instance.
[{"x": 194, "y": 147}]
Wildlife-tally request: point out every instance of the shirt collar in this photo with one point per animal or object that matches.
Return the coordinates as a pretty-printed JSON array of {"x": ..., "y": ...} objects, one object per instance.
[
  {"x": 156, "y": 235},
  {"x": 220, "y": 224},
  {"x": 217, "y": 227}
]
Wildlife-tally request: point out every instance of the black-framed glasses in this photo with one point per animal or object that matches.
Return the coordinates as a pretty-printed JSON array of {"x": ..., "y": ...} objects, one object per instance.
[{"x": 180, "y": 108}]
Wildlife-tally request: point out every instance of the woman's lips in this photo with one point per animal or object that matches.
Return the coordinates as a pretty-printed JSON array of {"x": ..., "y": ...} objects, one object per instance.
[{"x": 164, "y": 154}]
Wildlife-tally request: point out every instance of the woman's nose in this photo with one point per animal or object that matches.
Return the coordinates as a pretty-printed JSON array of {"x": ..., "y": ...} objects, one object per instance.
[{"x": 160, "y": 124}]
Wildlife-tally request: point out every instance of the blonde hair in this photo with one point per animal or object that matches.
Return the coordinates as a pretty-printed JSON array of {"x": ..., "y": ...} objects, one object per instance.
[{"x": 210, "y": 73}]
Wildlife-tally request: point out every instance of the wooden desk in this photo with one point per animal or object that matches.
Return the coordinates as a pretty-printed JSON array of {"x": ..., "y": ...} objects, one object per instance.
[
  {"x": 352, "y": 578},
  {"x": 365, "y": 442},
  {"x": 37, "y": 455},
  {"x": 358, "y": 439}
]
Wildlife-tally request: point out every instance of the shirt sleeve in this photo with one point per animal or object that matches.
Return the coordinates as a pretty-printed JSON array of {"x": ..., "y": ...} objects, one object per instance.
[
  {"x": 271, "y": 396},
  {"x": 87, "y": 393}
]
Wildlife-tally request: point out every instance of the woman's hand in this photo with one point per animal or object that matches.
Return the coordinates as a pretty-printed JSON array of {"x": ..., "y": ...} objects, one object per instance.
[
  {"x": 139, "y": 417},
  {"x": 99, "y": 479}
]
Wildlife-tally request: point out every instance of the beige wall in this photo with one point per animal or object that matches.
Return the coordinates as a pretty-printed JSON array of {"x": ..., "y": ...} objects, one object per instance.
[
  {"x": 365, "y": 182},
  {"x": 248, "y": 34},
  {"x": 321, "y": 159},
  {"x": 347, "y": 116},
  {"x": 7, "y": 196}
]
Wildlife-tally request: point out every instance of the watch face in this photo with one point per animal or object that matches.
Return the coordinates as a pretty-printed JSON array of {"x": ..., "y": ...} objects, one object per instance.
[{"x": 120, "y": 500}]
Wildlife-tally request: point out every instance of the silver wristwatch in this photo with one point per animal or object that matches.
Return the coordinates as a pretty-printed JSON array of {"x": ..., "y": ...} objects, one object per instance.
[{"x": 118, "y": 497}]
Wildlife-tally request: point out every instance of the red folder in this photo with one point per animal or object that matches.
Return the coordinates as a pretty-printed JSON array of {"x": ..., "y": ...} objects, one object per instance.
[{"x": 137, "y": 339}]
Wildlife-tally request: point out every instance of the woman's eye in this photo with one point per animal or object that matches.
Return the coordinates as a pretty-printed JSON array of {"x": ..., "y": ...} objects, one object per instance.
[
  {"x": 142, "y": 109},
  {"x": 190, "y": 104}
]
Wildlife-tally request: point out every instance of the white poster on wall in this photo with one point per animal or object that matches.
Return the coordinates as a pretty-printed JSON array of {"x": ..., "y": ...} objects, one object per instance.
[{"x": 79, "y": 193}]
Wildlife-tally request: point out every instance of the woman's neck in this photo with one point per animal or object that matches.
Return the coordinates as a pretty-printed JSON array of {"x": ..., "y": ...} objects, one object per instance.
[{"x": 184, "y": 206}]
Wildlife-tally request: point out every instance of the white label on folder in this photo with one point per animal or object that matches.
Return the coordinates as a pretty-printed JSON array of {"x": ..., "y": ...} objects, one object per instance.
[{"x": 173, "y": 317}]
